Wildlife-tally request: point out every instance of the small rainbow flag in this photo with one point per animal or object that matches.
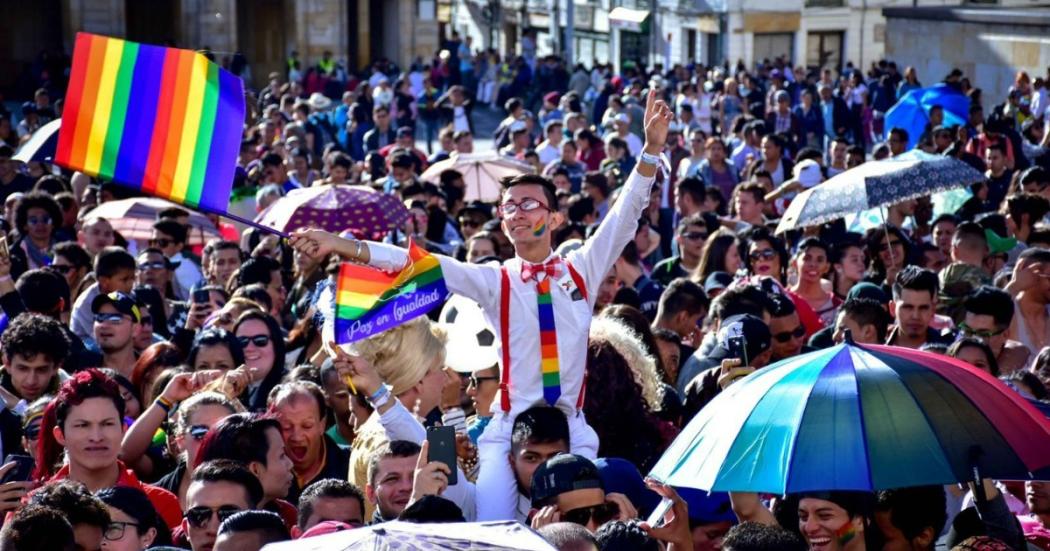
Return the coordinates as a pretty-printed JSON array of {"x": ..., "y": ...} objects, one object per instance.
[
  {"x": 370, "y": 301},
  {"x": 162, "y": 120},
  {"x": 548, "y": 343}
]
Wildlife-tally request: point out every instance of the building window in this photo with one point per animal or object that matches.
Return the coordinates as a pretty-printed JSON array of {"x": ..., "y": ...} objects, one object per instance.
[
  {"x": 690, "y": 46},
  {"x": 824, "y": 50},
  {"x": 427, "y": 10},
  {"x": 825, "y": 3},
  {"x": 769, "y": 46}
]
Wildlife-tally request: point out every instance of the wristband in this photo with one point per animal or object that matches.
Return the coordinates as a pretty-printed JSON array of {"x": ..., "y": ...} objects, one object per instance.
[
  {"x": 164, "y": 404},
  {"x": 380, "y": 398},
  {"x": 649, "y": 159},
  {"x": 379, "y": 392}
]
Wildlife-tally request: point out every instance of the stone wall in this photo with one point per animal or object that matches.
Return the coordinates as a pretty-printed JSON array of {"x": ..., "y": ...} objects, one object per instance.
[{"x": 988, "y": 54}]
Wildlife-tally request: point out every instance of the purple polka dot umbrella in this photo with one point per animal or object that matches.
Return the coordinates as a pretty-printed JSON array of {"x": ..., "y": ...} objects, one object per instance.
[{"x": 335, "y": 208}]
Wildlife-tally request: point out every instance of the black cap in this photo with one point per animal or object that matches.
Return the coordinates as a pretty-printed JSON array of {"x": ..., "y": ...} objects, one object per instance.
[
  {"x": 756, "y": 335},
  {"x": 121, "y": 301},
  {"x": 717, "y": 281},
  {"x": 563, "y": 473}
]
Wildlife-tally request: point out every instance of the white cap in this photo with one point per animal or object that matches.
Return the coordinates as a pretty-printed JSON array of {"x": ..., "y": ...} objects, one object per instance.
[
  {"x": 808, "y": 173},
  {"x": 518, "y": 126},
  {"x": 622, "y": 117}
]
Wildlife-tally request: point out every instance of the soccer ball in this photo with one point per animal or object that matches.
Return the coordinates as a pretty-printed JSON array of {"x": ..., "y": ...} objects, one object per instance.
[{"x": 471, "y": 340}]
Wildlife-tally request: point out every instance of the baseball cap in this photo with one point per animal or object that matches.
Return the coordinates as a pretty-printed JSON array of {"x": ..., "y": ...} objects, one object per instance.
[
  {"x": 808, "y": 173},
  {"x": 717, "y": 281},
  {"x": 781, "y": 95},
  {"x": 868, "y": 290},
  {"x": 756, "y": 335},
  {"x": 326, "y": 527},
  {"x": 517, "y": 126},
  {"x": 622, "y": 477},
  {"x": 622, "y": 117},
  {"x": 28, "y": 107},
  {"x": 563, "y": 473},
  {"x": 707, "y": 507},
  {"x": 551, "y": 97},
  {"x": 404, "y": 132},
  {"x": 121, "y": 301}
]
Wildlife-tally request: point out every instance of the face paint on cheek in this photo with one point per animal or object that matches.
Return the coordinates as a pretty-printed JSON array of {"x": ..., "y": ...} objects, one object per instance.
[
  {"x": 539, "y": 228},
  {"x": 845, "y": 533}
]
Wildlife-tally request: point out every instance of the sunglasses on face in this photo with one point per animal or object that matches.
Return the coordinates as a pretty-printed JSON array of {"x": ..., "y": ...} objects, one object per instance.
[
  {"x": 63, "y": 269},
  {"x": 109, "y": 318},
  {"x": 32, "y": 432},
  {"x": 146, "y": 320},
  {"x": 527, "y": 205},
  {"x": 468, "y": 223},
  {"x": 259, "y": 341},
  {"x": 695, "y": 235},
  {"x": 160, "y": 243},
  {"x": 198, "y": 517},
  {"x": 476, "y": 381},
  {"x": 115, "y": 530},
  {"x": 38, "y": 220},
  {"x": 785, "y": 336},
  {"x": 601, "y": 513},
  {"x": 764, "y": 254},
  {"x": 155, "y": 265},
  {"x": 979, "y": 333}
]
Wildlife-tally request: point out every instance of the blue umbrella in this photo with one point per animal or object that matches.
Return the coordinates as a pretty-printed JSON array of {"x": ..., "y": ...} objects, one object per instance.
[
  {"x": 41, "y": 145},
  {"x": 877, "y": 184},
  {"x": 911, "y": 113}
]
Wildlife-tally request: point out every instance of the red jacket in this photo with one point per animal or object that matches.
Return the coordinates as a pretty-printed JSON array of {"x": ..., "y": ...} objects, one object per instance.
[{"x": 165, "y": 502}]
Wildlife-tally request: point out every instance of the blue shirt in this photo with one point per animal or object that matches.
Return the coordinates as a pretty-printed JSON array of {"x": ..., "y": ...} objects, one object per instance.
[{"x": 827, "y": 108}]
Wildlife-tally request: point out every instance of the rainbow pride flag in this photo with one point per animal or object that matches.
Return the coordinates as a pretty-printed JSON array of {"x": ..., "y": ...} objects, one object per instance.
[
  {"x": 370, "y": 301},
  {"x": 161, "y": 120}
]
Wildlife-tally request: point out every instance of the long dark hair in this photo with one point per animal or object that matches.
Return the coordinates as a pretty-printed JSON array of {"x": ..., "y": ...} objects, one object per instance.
[
  {"x": 626, "y": 427},
  {"x": 212, "y": 337},
  {"x": 755, "y": 235},
  {"x": 713, "y": 259},
  {"x": 257, "y": 400},
  {"x": 134, "y": 503}
]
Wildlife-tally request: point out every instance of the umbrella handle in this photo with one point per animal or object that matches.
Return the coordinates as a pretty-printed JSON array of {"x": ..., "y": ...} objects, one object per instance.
[
  {"x": 979, "y": 495},
  {"x": 251, "y": 223}
]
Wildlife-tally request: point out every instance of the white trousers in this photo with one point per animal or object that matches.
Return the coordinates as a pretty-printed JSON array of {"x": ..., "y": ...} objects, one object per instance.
[{"x": 497, "y": 487}]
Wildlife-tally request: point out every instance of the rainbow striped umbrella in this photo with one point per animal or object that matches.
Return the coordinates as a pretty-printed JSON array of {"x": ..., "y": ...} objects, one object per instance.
[{"x": 858, "y": 418}]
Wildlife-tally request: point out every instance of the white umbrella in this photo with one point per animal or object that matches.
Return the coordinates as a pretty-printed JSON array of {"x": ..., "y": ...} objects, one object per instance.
[
  {"x": 407, "y": 536},
  {"x": 133, "y": 218},
  {"x": 482, "y": 173},
  {"x": 41, "y": 145}
]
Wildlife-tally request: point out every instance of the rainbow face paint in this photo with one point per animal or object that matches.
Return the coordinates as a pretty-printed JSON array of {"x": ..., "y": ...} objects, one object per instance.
[
  {"x": 539, "y": 228},
  {"x": 846, "y": 533}
]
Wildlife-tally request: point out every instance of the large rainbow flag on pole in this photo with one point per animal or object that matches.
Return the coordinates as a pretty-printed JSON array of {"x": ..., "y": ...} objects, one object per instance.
[
  {"x": 370, "y": 301},
  {"x": 162, "y": 120}
]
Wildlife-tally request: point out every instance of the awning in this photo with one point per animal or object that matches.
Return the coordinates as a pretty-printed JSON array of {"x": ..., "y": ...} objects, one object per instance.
[{"x": 627, "y": 19}]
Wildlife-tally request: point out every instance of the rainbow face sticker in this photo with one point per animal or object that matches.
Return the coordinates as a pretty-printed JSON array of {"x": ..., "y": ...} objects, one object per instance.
[{"x": 539, "y": 228}]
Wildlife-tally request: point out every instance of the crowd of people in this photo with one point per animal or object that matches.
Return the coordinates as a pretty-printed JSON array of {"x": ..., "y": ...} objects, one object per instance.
[{"x": 166, "y": 392}]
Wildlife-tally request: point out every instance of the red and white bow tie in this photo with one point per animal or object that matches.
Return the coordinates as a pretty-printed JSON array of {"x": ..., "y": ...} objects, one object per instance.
[{"x": 552, "y": 268}]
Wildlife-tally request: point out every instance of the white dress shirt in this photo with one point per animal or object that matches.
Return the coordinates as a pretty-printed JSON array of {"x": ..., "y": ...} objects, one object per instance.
[{"x": 572, "y": 318}]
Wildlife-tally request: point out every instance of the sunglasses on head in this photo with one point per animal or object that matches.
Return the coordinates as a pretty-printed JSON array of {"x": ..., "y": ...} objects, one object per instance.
[
  {"x": 601, "y": 513},
  {"x": 764, "y": 254},
  {"x": 198, "y": 517},
  {"x": 258, "y": 340},
  {"x": 785, "y": 336}
]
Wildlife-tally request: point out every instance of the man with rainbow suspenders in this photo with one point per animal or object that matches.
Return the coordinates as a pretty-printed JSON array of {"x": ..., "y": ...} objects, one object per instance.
[{"x": 541, "y": 303}]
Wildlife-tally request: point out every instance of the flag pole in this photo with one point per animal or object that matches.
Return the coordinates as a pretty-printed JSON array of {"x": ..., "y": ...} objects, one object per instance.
[{"x": 245, "y": 221}]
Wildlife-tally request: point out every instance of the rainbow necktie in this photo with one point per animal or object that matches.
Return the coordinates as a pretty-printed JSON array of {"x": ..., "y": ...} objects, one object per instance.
[
  {"x": 548, "y": 343},
  {"x": 543, "y": 274}
]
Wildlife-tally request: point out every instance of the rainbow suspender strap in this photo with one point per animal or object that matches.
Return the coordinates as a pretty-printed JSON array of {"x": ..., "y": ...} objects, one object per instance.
[{"x": 548, "y": 343}]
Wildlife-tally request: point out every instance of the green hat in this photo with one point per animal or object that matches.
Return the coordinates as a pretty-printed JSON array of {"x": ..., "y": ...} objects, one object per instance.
[{"x": 999, "y": 245}]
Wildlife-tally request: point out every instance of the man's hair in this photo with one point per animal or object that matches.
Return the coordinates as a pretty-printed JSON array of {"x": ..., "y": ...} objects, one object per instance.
[
  {"x": 914, "y": 509},
  {"x": 991, "y": 301},
  {"x": 326, "y": 488},
  {"x": 36, "y": 527},
  {"x": 216, "y": 245},
  {"x": 1035, "y": 255},
  {"x": 240, "y": 437},
  {"x": 755, "y": 189},
  {"x": 75, "y": 501},
  {"x": 30, "y": 334},
  {"x": 297, "y": 390},
  {"x": 224, "y": 470},
  {"x": 971, "y": 236},
  {"x": 258, "y": 269},
  {"x": 901, "y": 134},
  {"x": 667, "y": 335},
  {"x": 172, "y": 213},
  {"x": 169, "y": 226},
  {"x": 744, "y": 299},
  {"x": 598, "y": 180},
  {"x": 267, "y": 524},
  {"x": 692, "y": 220},
  {"x": 625, "y": 536},
  {"x": 1035, "y": 175},
  {"x": 580, "y": 206},
  {"x": 997, "y": 146},
  {"x": 782, "y": 305},
  {"x": 540, "y": 424},
  {"x": 74, "y": 253},
  {"x": 752, "y": 536},
  {"x": 1035, "y": 206},
  {"x": 111, "y": 260},
  {"x": 682, "y": 295},
  {"x": 42, "y": 289},
  {"x": 395, "y": 448},
  {"x": 37, "y": 200},
  {"x": 868, "y": 311},
  {"x": 568, "y": 536},
  {"x": 550, "y": 193},
  {"x": 693, "y": 187},
  {"x": 915, "y": 278}
]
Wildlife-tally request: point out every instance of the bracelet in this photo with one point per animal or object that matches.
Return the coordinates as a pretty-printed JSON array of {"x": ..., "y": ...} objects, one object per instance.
[
  {"x": 649, "y": 159},
  {"x": 379, "y": 392},
  {"x": 380, "y": 398},
  {"x": 357, "y": 253},
  {"x": 164, "y": 404}
]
